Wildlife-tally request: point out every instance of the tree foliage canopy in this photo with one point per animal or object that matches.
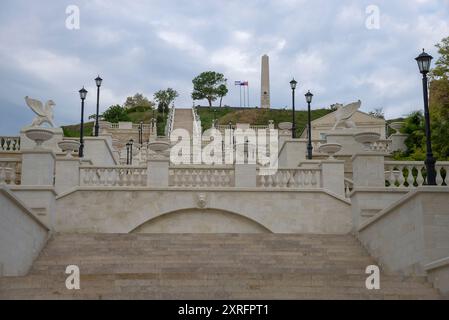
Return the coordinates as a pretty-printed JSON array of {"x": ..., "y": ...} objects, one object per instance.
[
  {"x": 209, "y": 85},
  {"x": 138, "y": 100},
  {"x": 115, "y": 114},
  {"x": 165, "y": 97}
]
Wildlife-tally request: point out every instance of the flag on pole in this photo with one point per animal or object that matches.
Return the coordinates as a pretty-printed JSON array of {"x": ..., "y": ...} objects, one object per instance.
[{"x": 244, "y": 83}]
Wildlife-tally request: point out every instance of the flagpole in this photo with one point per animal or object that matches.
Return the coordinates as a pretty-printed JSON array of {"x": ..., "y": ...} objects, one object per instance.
[
  {"x": 247, "y": 91},
  {"x": 240, "y": 95}
]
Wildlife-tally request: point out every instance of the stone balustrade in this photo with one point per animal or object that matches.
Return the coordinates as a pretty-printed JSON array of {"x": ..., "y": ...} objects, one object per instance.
[
  {"x": 9, "y": 144},
  {"x": 10, "y": 171},
  {"x": 293, "y": 178},
  {"x": 381, "y": 146},
  {"x": 113, "y": 176},
  {"x": 410, "y": 174},
  {"x": 201, "y": 176}
]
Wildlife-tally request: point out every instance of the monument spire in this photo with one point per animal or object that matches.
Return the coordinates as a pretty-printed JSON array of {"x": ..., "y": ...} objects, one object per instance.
[{"x": 265, "y": 83}]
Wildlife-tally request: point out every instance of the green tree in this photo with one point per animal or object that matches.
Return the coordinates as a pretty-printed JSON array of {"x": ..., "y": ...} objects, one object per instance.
[
  {"x": 164, "y": 98},
  {"x": 115, "y": 114},
  {"x": 138, "y": 101},
  {"x": 208, "y": 85},
  {"x": 222, "y": 91}
]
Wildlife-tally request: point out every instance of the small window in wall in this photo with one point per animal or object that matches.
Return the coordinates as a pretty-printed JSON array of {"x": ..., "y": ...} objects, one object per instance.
[{"x": 323, "y": 136}]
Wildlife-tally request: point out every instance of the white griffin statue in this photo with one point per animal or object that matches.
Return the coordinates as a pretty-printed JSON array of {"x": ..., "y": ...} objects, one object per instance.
[
  {"x": 344, "y": 114},
  {"x": 44, "y": 113}
]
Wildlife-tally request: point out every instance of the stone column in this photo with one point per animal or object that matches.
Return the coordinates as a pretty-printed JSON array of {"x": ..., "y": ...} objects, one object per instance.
[{"x": 333, "y": 175}]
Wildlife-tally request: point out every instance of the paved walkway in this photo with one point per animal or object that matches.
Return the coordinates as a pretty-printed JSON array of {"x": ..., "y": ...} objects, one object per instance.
[{"x": 183, "y": 119}]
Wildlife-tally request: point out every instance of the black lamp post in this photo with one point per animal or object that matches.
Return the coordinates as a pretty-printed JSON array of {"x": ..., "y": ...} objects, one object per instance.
[
  {"x": 424, "y": 61},
  {"x": 141, "y": 132},
  {"x": 215, "y": 110},
  {"x": 293, "y": 86},
  {"x": 83, "y": 94},
  {"x": 129, "y": 152},
  {"x": 98, "y": 81},
  {"x": 309, "y": 97}
]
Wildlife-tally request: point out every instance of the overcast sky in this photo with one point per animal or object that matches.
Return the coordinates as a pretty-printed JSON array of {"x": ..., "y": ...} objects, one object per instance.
[{"x": 144, "y": 46}]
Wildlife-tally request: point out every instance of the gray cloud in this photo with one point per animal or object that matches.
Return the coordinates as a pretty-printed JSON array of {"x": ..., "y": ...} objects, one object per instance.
[{"x": 143, "y": 46}]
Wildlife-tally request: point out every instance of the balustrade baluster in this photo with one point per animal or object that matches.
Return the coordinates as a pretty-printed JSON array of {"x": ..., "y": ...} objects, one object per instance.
[{"x": 439, "y": 178}]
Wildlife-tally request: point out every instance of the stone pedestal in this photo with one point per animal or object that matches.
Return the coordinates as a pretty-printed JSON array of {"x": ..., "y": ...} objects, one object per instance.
[
  {"x": 369, "y": 169},
  {"x": 38, "y": 167},
  {"x": 157, "y": 172},
  {"x": 333, "y": 176},
  {"x": 398, "y": 142},
  {"x": 37, "y": 188},
  {"x": 245, "y": 175}
]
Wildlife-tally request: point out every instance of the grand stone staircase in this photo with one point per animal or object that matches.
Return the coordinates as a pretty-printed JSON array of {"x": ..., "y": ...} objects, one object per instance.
[
  {"x": 208, "y": 266},
  {"x": 183, "y": 120}
]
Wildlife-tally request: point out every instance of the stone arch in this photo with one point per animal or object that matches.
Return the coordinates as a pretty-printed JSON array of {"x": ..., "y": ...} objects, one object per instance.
[{"x": 201, "y": 221}]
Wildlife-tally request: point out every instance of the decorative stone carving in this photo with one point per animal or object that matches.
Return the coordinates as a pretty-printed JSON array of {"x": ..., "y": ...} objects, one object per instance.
[
  {"x": 344, "y": 114},
  {"x": 44, "y": 113},
  {"x": 201, "y": 200}
]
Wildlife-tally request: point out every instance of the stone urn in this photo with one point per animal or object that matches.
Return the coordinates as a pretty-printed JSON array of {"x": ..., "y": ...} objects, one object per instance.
[
  {"x": 396, "y": 126},
  {"x": 159, "y": 148},
  {"x": 367, "y": 138},
  {"x": 330, "y": 149},
  {"x": 69, "y": 146},
  {"x": 285, "y": 126},
  {"x": 39, "y": 135}
]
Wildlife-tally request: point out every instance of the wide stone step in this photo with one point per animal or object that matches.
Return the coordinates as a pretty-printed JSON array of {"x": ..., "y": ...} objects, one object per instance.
[{"x": 208, "y": 266}]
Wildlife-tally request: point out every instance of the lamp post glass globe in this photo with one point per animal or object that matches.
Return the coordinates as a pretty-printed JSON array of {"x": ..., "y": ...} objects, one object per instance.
[
  {"x": 424, "y": 61},
  {"x": 293, "y": 84},
  {"x": 98, "y": 81},
  {"x": 309, "y": 97},
  {"x": 83, "y": 93}
]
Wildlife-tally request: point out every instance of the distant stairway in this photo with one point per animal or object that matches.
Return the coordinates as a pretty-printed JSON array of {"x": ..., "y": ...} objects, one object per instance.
[
  {"x": 208, "y": 266},
  {"x": 183, "y": 120}
]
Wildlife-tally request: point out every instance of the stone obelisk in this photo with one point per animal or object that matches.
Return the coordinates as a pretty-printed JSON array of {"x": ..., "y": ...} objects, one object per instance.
[{"x": 265, "y": 83}]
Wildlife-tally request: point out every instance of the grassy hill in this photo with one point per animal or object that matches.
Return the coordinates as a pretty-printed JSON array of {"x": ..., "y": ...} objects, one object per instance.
[
  {"x": 257, "y": 116},
  {"x": 224, "y": 115}
]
